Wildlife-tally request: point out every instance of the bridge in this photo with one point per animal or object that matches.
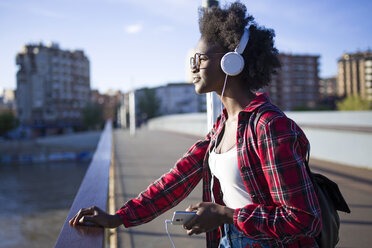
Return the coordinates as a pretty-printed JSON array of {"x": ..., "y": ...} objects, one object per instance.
[{"x": 126, "y": 164}]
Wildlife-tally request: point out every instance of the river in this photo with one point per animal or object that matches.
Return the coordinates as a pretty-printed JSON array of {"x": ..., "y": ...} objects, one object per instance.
[{"x": 35, "y": 200}]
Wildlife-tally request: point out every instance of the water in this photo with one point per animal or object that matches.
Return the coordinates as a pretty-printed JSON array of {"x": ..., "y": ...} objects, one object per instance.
[{"x": 35, "y": 200}]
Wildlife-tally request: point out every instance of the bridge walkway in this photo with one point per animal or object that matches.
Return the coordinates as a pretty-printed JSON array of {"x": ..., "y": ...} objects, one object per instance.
[{"x": 141, "y": 159}]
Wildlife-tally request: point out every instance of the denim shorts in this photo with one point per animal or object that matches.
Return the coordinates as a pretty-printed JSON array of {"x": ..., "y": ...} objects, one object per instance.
[{"x": 232, "y": 238}]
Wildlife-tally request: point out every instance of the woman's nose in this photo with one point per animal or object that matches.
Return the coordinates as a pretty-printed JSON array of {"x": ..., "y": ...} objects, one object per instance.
[{"x": 194, "y": 69}]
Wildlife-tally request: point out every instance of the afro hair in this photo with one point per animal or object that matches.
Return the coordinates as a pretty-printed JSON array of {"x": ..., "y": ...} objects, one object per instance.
[{"x": 225, "y": 26}]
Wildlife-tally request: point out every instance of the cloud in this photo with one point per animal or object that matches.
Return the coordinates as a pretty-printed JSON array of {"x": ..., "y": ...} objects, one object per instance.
[{"x": 134, "y": 28}]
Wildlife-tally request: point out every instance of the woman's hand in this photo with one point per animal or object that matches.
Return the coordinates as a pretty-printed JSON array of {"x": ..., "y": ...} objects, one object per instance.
[
  {"x": 208, "y": 217},
  {"x": 96, "y": 216}
]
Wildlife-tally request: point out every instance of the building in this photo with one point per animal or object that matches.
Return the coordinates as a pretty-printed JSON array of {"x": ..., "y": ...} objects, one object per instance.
[
  {"x": 110, "y": 102},
  {"x": 173, "y": 98},
  {"x": 328, "y": 92},
  {"x": 327, "y": 87},
  {"x": 7, "y": 101},
  {"x": 177, "y": 98},
  {"x": 355, "y": 75},
  {"x": 296, "y": 85},
  {"x": 53, "y": 87}
]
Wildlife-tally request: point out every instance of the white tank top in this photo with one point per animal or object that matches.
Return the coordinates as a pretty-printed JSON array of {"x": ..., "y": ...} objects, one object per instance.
[{"x": 225, "y": 167}]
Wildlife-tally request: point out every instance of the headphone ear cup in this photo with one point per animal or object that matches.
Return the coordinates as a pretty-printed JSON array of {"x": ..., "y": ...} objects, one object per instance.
[{"x": 232, "y": 63}]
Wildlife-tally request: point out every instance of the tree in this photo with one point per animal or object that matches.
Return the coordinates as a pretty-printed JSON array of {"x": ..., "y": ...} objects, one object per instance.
[
  {"x": 93, "y": 116},
  {"x": 148, "y": 102},
  {"x": 353, "y": 102},
  {"x": 7, "y": 122}
]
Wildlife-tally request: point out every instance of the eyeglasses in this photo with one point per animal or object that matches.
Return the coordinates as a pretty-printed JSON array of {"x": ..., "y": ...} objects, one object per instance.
[{"x": 196, "y": 60}]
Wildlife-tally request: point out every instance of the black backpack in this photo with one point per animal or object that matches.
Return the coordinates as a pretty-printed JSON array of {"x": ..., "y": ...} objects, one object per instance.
[
  {"x": 330, "y": 200},
  {"x": 329, "y": 197}
]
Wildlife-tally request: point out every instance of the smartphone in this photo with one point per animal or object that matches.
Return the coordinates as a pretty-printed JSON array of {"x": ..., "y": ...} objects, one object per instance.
[{"x": 182, "y": 217}]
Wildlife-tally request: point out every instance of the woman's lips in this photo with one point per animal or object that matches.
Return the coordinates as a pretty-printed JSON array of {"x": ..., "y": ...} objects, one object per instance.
[{"x": 196, "y": 79}]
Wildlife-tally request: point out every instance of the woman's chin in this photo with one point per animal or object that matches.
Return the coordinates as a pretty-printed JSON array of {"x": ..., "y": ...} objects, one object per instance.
[{"x": 199, "y": 89}]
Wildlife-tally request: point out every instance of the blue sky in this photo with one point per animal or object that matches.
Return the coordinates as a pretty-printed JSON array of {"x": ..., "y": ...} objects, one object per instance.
[{"x": 136, "y": 43}]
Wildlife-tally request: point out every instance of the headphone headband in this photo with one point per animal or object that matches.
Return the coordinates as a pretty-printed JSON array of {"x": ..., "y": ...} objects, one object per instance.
[{"x": 243, "y": 41}]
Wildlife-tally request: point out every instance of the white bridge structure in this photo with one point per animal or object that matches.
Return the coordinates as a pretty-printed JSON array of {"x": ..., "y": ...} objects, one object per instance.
[{"x": 343, "y": 137}]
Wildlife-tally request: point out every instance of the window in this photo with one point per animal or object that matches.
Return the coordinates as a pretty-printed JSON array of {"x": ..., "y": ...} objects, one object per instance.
[
  {"x": 297, "y": 88},
  {"x": 300, "y": 74},
  {"x": 298, "y": 60},
  {"x": 310, "y": 60},
  {"x": 299, "y": 67},
  {"x": 300, "y": 82},
  {"x": 286, "y": 89}
]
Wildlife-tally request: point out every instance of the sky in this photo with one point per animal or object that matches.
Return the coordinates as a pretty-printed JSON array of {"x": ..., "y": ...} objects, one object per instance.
[{"x": 146, "y": 43}]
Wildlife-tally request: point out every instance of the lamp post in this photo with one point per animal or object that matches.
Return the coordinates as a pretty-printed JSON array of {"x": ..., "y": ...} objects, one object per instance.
[
  {"x": 212, "y": 98},
  {"x": 132, "y": 113}
]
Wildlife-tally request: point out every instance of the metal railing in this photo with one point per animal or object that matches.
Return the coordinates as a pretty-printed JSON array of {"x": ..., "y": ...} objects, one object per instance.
[{"x": 94, "y": 190}]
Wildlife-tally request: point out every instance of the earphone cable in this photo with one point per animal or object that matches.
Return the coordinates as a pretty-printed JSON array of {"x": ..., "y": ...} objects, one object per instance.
[
  {"x": 223, "y": 90},
  {"x": 166, "y": 228},
  {"x": 221, "y": 109}
]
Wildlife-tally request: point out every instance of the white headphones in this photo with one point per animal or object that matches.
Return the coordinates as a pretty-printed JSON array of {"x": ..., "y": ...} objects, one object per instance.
[{"x": 232, "y": 63}]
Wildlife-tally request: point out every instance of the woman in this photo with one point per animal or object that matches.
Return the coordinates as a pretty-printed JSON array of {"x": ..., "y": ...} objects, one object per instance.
[{"x": 256, "y": 189}]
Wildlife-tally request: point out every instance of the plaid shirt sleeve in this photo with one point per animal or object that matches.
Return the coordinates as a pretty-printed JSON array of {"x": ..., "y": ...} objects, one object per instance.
[
  {"x": 169, "y": 190},
  {"x": 295, "y": 211}
]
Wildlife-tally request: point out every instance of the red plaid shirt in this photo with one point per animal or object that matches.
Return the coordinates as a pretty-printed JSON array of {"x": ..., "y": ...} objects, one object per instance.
[{"x": 271, "y": 152}]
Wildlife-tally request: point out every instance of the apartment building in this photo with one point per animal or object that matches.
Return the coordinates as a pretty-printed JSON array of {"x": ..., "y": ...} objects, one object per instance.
[
  {"x": 296, "y": 85},
  {"x": 110, "y": 102},
  {"x": 173, "y": 98},
  {"x": 328, "y": 87},
  {"x": 354, "y": 75},
  {"x": 328, "y": 92},
  {"x": 53, "y": 86},
  {"x": 7, "y": 101},
  {"x": 178, "y": 98}
]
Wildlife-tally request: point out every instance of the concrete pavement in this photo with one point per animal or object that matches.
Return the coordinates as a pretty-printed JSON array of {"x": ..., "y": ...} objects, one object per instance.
[
  {"x": 141, "y": 159},
  {"x": 138, "y": 162}
]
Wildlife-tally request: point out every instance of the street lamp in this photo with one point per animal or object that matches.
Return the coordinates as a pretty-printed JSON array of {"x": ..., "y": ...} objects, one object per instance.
[{"x": 212, "y": 99}]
